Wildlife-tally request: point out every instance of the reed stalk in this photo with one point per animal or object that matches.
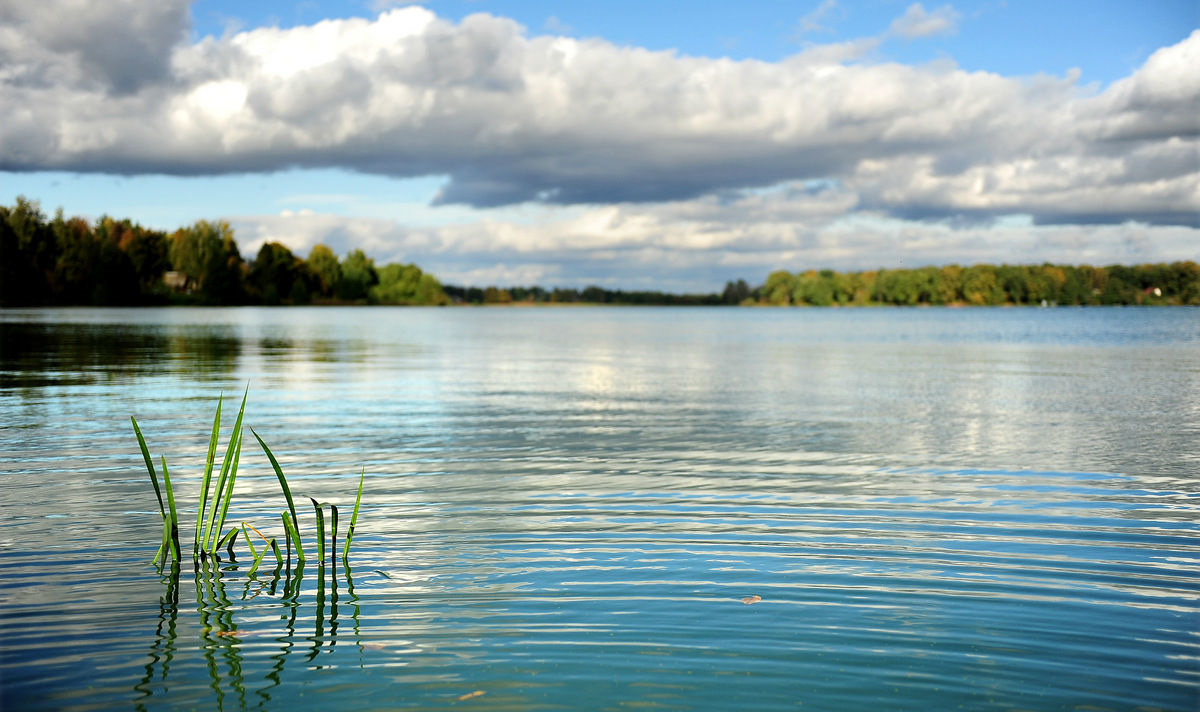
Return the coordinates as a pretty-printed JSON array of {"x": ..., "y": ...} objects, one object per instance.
[
  {"x": 208, "y": 468},
  {"x": 172, "y": 513},
  {"x": 213, "y": 511},
  {"x": 333, "y": 539},
  {"x": 353, "y": 519},
  {"x": 212, "y": 527},
  {"x": 318, "y": 508},
  {"x": 228, "y": 494}
]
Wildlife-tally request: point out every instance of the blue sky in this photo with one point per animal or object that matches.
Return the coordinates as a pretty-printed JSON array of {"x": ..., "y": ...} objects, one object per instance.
[
  {"x": 1105, "y": 39},
  {"x": 636, "y": 145}
]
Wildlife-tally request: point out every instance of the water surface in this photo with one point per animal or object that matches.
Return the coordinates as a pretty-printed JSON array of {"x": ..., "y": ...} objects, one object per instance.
[{"x": 564, "y": 509}]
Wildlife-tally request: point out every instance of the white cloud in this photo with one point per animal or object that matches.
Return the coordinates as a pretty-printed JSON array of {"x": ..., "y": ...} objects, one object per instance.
[
  {"x": 697, "y": 245},
  {"x": 816, "y": 20},
  {"x": 116, "y": 46},
  {"x": 663, "y": 155},
  {"x": 917, "y": 22}
]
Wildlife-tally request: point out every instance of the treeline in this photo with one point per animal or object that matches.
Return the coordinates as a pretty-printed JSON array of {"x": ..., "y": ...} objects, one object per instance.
[
  {"x": 987, "y": 285},
  {"x": 587, "y": 295},
  {"x": 1177, "y": 283},
  {"x": 67, "y": 261}
]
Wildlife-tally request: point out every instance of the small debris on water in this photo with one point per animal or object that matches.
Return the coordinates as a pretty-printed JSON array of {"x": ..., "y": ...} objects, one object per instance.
[
  {"x": 751, "y": 600},
  {"x": 471, "y": 695}
]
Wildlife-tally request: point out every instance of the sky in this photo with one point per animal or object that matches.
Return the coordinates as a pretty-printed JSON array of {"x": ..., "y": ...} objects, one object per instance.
[{"x": 633, "y": 145}]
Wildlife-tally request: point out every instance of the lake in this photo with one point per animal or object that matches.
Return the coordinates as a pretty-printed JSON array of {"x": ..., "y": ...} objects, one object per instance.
[{"x": 607, "y": 508}]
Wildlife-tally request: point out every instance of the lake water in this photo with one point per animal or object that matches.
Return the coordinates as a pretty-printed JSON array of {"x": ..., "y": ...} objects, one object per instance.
[{"x": 937, "y": 509}]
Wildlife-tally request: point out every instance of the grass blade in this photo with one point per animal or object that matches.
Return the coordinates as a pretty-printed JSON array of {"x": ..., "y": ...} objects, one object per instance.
[
  {"x": 228, "y": 495},
  {"x": 293, "y": 537},
  {"x": 287, "y": 493},
  {"x": 353, "y": 517},
  {"x": 271, "y": 545},
  {"x": 246, "y": 536},
  {"x": 320, "y": 531},
  {"x": 208, "y": 467},
  {"x": 221, "y": 494},
  {"x": 171, "y": 509},
  {"x": 333, "y": 537},
  {"x": 166, "y": 539},
  {"x": 228, "y": 541},
  {"x": 149, "y": 466}
]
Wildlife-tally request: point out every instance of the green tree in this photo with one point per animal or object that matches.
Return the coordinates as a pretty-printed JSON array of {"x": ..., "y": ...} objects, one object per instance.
[
  {"x": 146, "y": 249},
  {"x": 28, "y": 254},
  {"x": 981, "y": 287},
  {"x": 735, "y": 292},
  {"x": 207, "y": 253},
  {"x": 357, "y": 277},
  {"x": 897, "y": 286},
  {"x": 843, "y": 287},
  {"x": 949, "y": 285},
  {"x": 779, "y": 288},
  {"x": 407, "y": 284},
  {"x": 323, "y": 264},
  {"x": 812, "y": 288},
  {"x": 277, "y": 275}
]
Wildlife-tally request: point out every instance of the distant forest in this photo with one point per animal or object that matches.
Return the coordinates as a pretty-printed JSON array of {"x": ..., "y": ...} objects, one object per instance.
[
  {"x": 61, "y": 261},
  {"x": 67, "y": 261}
]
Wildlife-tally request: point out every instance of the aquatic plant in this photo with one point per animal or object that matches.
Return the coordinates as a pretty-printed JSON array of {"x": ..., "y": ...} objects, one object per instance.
[{"x": 212, "y": 512}]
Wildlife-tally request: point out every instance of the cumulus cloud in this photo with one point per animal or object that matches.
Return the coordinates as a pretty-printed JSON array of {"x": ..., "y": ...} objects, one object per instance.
[
  {"x": 696, "y": 245},
  {"x": 513, "y": 118},
  {"x": 918, "y": 22},
  {"x": 116, "y": 46}
]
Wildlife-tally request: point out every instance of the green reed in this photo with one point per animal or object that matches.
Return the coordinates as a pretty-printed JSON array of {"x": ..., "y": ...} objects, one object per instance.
[{"x": 213, "y": 511}]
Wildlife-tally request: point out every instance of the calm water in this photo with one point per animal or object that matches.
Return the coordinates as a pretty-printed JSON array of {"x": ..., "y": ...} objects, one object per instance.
[{"x": 564, "y": 508}]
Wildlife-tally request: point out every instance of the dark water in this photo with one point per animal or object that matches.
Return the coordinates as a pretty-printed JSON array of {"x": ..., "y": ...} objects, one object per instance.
[{"x": 564, "y": 508}]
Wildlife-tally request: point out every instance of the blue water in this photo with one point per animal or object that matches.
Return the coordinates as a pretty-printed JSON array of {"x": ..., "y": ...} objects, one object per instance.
[{"x": 565, "y": 508}]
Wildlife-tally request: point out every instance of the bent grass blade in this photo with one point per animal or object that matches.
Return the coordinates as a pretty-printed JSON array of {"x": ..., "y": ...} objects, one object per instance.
[
  {"x": 228, "y": 541},
  {"x": 273, "y": 548},
  {"x": 249, "y": 543},
  {"x": 293, "y": 529},
  {"x": 149, "y": 465}
]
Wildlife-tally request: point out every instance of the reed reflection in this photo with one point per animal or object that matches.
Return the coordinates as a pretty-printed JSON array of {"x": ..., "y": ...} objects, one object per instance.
[{"x": 225, "y": 629}]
